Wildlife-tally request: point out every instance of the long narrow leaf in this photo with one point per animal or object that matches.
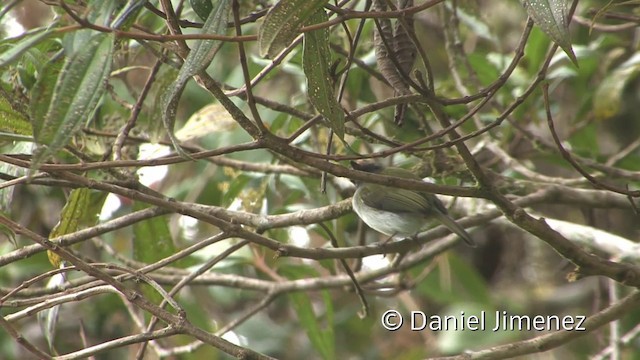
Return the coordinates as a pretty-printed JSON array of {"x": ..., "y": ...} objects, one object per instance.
[
  {"x": 319, "y": 329},
  {"x": 282, "y": 24},
  {"x": 551, "y": 17},
  {"x": 199, "y": 58},
  {"x": 128, "y": 13},
  {"x": 152, "y": 238},
  {"x": 321, "y": 338},
  {"x": 152, "y": 243},
  {"x": 202, "y": 8},
  {"x": 98, "y": 12},
  {"x": 72, "y": 213},
  {"x": 316, "y": 64},
  {"x": 16, "y": 50},
  {"x": 42, "y": 92},
  {"x": 77, "y": 92}
]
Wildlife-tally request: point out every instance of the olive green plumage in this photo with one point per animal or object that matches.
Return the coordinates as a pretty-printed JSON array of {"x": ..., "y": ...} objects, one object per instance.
[{"x": 399, "y": 212}]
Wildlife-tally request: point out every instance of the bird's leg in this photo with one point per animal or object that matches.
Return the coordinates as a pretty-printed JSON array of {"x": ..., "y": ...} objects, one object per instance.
[
  {"x": 396, "y": 260},
  {"x": 388, "y": 239}
]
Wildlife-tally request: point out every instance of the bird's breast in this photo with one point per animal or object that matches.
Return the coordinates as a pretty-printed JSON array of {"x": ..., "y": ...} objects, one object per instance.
[{"x": 386, "y": 222}]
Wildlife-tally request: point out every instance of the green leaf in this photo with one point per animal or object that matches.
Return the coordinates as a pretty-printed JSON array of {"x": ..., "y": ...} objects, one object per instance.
[
  {"x": 585, "y": 141},
  {"x": 77, "y": 92},
  {"x": 321, "y": 337},
  {"x": 128, "y": 14},
  {"x": 535, "y": 50},
  {"x": 72, "y": 212},
  {"x": 283, "y": 22},
  {"x": 316, "y": 64},
  {"x": 452, "y": 342},
  {"x": 12, "y": 121},
  {"x": 42, "y": 93},
  {"x": 551, "y": 17},
  {"x": 199, "y": 58},
  {"x": 608, "y": 97},
  {"x": 26, "y": 43},
  {"x": 477, "y": 25},
  {"x": 202, "y": 8},
  {"x": 236, "y": 186},
  {"x": 152, "y": 240},
  {"x": 98, "y": 12},
  {"x": 485, "y": 70},
  {"x": 465, "y": 283},
  {"x": 101, "y": 11},
  {"x": 470, "y": 280}
]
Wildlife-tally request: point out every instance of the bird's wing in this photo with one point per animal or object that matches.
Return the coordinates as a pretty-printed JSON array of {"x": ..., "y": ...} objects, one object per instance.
[
  {"x": 439, "y": 205},
  {"x": 398, "y": 200}
]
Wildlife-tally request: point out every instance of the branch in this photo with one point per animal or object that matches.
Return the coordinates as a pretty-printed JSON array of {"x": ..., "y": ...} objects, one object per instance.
[
  {"x": 179, "y": 322},
  {"x": 21, "y": 340},
  {"x": 549, "y": 341}
]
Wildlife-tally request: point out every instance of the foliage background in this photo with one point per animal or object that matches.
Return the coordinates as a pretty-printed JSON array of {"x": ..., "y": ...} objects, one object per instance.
[{"x": 276, "y": 285}]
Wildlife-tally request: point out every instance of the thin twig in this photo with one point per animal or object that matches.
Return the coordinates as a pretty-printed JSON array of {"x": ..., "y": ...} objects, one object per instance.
[
  {"x": 569, "y": 158},
  {"x": 364, "y": 311},
  {"x": 131, "y": 122}
]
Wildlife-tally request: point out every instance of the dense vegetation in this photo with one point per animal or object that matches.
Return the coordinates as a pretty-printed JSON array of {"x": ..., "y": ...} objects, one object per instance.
[{"x": 190, "y": 163}]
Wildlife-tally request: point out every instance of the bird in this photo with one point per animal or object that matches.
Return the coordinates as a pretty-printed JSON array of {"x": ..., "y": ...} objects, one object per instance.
[{"x": 399, "y": 212}]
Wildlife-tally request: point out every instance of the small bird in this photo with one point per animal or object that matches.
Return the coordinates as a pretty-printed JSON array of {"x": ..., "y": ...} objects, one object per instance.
[{"x": 399, "y": 212}]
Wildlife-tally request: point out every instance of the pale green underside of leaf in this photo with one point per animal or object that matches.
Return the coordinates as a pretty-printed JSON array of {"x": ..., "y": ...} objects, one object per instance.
[
  {"x": 72, "y": 212},
  {"x": 282, "y": 24},
  {"x": 551, "y": 17},
  {"x": 607, "y": 100}
]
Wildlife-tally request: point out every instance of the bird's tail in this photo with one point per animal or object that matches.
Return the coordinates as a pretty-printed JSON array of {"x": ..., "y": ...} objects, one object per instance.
[{"x": 447, "y": 221}]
